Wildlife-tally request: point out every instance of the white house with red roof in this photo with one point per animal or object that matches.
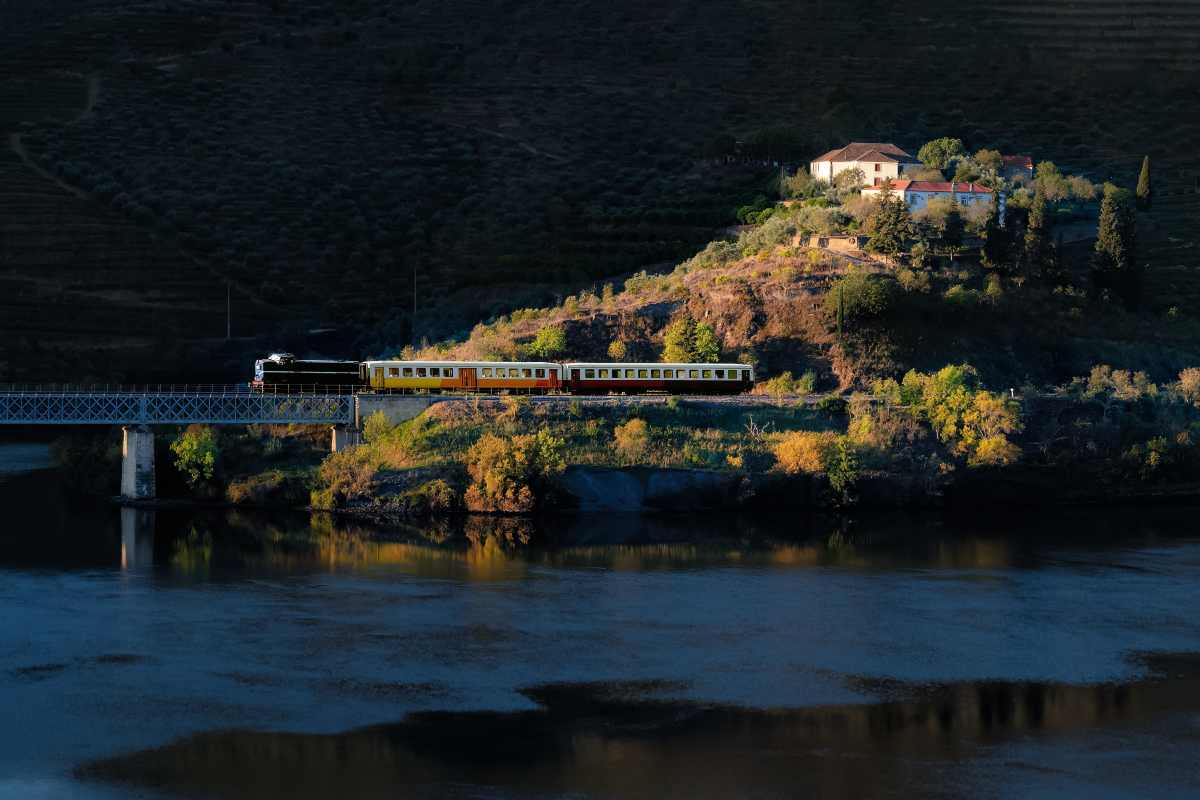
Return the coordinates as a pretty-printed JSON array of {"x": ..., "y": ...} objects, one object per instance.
[
  {"x": 917, "y": 194},
  {"x": 879, "y": 161}
]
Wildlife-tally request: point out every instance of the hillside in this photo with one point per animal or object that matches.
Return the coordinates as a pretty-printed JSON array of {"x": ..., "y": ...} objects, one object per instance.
[
  {"x": 325, "y": 156},
  {"x": 772, "y": 304}
]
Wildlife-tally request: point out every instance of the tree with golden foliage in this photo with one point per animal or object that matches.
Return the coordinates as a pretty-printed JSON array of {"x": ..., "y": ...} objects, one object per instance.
[
  {"x": 512, "y": 475},
  {"x": 632, "y": 440}
]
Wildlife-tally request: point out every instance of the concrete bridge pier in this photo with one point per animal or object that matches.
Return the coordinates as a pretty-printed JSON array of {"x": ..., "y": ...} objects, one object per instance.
[
  {"x": 137, "y": 538},
  {"x": 137, "y": 462},
  {"x": 344, "y": 436}
]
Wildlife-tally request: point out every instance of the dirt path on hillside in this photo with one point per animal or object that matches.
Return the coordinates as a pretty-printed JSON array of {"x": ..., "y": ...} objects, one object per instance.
[
  {"x": 18, "y": 146},
  {"x": 524, "y": 145}
]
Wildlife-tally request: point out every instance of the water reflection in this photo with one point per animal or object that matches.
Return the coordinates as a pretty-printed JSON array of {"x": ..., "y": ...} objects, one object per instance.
[{"x": 628, "y": 740}]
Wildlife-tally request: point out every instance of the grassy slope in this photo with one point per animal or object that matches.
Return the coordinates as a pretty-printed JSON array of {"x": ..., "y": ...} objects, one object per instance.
[{"x": 319, "y": 153}]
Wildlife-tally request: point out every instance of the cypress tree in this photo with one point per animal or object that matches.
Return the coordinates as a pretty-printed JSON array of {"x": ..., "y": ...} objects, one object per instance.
[
  {"x": 1038, "y": 250},
  {"x": 997, "y": 242},
  {"x": 1116, "y": 244},
  {"x": 1144, "y": 191}
]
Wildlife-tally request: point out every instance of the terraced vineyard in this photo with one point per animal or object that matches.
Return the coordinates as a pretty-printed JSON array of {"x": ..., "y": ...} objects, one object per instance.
[{"x": 327, "y": 155}]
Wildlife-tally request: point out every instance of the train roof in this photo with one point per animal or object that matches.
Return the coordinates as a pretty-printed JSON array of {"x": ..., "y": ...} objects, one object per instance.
[
  {"x": 653, "y": 365},
  {"x": 427, "y": 363}
]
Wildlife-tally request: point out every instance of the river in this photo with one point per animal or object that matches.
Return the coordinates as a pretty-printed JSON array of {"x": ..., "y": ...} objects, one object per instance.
[{"x": 231, "y": 655}]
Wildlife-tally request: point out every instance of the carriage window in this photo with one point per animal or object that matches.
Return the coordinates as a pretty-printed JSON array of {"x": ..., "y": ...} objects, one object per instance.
[
  {"x": 693, "y": 373},
  {"x": 656, "y": 373},
  {"x": 707, "y": 373},
  {"x": 487, "y": 372},
  {"x": 448, "y": 372},
  {"x": 408, "y": 372},
  {"x": 643, "y": 373},
  {"x": 420, "y": 372},
  {"x": 435, "y": 372},
  {"x": 745, "y": 374},
  {"x": 393, "y": 372},
  {"x": 668, "y": 373},
  {"x": 589, "y": 373},
  {"x": 628, "y": 373},
  {"x": 603, "y": 373},
  {"x": 541, "y": 373},
  {"x": 527, "y": 373},
  {"x": 720, "y": 373}
]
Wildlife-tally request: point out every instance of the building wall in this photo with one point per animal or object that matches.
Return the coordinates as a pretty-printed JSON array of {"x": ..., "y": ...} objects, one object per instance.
[{"x": 827, "y": 170}]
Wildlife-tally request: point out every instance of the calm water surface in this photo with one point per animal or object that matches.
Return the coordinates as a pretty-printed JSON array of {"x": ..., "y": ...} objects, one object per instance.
[{"x": 228, "y": 655}]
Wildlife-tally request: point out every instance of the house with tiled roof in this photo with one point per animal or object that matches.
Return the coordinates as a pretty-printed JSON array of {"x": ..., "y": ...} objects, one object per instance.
[
  {"x": 917, "y": 194},
  {"x": 879, "y": 161},
  {"x": 1012, "y": 167}
]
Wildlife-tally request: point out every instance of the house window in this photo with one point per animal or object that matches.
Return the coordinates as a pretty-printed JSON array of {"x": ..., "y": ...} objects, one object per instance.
[{"x": 877, "y": 168}]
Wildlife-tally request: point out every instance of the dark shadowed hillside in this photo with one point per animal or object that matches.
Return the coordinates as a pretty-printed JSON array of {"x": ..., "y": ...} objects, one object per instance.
[{"x": 324, "y": 156}]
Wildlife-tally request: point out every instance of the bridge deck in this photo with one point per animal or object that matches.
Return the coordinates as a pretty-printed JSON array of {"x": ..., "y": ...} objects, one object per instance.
[{"x": 212, "y": 405}]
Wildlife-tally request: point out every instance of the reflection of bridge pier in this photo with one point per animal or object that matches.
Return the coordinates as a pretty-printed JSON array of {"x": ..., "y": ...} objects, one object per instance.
[{"x": 137, "y": 538}]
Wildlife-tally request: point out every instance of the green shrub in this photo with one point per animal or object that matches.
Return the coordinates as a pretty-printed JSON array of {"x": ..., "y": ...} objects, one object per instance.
[
  {"x": 859, "y": 297},
  {"x": 196, "y": 454},
  {"x": 378, "y": 427},
  {"x": 549, "y": 343}
]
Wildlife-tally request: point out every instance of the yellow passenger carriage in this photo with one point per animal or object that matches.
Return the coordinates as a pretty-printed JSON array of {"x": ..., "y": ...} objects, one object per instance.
[{"x": 464, "y": 376}]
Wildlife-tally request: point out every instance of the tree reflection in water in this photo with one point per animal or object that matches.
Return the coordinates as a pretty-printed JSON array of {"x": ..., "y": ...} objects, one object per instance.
[{"x": 632, "y": 740}]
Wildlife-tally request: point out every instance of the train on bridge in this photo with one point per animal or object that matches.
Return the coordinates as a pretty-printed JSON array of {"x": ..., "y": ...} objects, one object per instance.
[{"x": 282, "y": 372}]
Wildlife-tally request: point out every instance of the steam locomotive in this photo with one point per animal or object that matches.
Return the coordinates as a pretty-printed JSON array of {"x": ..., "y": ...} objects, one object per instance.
[{"x": 283, "y": 372}]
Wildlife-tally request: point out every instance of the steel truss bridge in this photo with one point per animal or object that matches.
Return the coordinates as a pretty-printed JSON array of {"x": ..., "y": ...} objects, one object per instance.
[{"x": 169, "y": 405}]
